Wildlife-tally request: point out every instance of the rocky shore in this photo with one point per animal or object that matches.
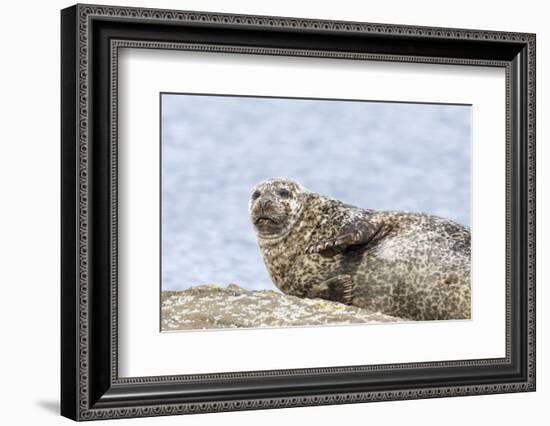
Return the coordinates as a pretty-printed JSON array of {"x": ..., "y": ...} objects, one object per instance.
[{"x": 213, "y": 307}]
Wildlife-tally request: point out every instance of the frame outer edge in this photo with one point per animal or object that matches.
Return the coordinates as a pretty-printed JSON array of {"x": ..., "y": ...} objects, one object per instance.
[
  {"x": 531, "y": 200},
  {"x": 68, "y": 182},
  {"x": 83, "y": 207}
]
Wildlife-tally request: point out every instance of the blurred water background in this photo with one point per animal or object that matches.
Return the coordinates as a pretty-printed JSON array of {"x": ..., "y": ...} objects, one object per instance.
[{"x": 392, "y": 156}]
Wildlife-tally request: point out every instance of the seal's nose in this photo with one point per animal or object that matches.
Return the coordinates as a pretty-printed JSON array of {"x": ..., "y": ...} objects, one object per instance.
[{"x": 265, "y": 203}]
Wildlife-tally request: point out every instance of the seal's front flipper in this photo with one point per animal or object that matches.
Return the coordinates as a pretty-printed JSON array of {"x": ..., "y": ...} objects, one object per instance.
[
  {"x": 337, "y": 289},
  {"x": 355, "y": 233}
]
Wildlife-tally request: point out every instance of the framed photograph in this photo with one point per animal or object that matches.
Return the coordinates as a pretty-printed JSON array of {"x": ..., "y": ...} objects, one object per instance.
[{"x": 263, "y": 212}]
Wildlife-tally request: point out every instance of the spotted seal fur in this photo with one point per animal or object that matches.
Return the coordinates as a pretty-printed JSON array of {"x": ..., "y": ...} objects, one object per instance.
[{"x": 409, "y": 265}]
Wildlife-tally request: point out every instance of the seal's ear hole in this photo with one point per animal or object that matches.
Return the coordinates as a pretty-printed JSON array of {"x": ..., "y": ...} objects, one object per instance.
[
  {"x": 284, "y": 193},
  {"x": 256, "y": 194}
]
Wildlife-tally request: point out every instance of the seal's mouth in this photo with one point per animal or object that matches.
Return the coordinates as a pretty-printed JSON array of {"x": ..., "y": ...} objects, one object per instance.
[{"x": 265, "y": 220}]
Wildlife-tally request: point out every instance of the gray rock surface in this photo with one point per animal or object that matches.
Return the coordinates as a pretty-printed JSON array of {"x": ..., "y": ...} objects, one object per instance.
[{"x": 212, "y": 306}]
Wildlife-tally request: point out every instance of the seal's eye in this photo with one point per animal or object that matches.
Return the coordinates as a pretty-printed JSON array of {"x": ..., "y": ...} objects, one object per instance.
[
  {"x": 255, "y": 195},
  {"x": 284, "y": 193}
]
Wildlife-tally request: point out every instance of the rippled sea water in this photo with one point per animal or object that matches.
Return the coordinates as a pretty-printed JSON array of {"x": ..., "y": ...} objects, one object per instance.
[{"x": 394, "y": 156}]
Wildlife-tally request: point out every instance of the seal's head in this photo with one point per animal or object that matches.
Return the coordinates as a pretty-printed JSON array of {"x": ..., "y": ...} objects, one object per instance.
[{"x": 274, "y": 206}]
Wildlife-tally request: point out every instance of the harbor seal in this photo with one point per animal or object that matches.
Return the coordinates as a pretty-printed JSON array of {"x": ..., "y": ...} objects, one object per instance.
[{"x": 409, "y": 265}]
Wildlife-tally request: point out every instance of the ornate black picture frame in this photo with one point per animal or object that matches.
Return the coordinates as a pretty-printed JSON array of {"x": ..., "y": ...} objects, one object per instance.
[{"x": 90, "y": 385}]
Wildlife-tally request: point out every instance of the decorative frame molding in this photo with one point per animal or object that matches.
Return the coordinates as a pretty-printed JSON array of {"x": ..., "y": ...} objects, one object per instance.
[{"x": 91, "y": 37}]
